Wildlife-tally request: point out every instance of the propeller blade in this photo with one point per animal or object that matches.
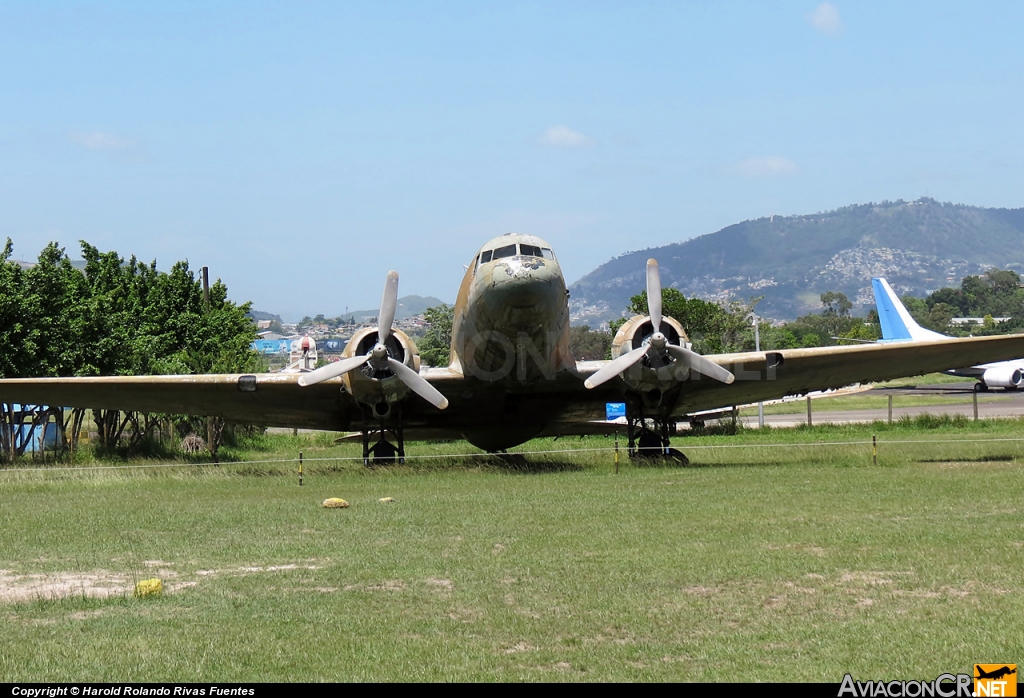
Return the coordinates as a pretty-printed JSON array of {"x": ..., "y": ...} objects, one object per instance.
[
  {"x": 387, "y": 307},
  {"x": 698, "y": 363},
  {"x": 614, "y": 368},
  {"x": 654, "y": 293},
  {"x": 418, "y": 384},
  {"x": 333, "y": 370}
]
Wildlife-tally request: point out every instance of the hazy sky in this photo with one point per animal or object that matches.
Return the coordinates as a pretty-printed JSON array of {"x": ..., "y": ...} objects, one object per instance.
[{"x": 301, "y": 149}]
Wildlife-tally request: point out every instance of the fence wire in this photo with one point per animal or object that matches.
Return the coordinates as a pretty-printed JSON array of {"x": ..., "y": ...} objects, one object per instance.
[{"x": 483, "y": 454}]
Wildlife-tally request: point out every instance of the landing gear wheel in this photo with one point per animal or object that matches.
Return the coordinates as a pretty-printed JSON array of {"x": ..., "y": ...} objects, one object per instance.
[
  {"x": 677, "y": 456},
  {"x": 980, "y": 387},
  {"x": 649, "y": 445}
]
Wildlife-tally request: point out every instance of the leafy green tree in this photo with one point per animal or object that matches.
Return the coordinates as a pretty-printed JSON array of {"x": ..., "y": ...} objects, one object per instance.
[
  {"x": 835, "y": 304},
  {"x": 940, "y": 315},
  {"x": 705, "y": 323},
  {"x": 436, "y": 345},
  {"x": 589, "y": 345},
  {"x": 777, "y": 338},
  {"x": 14, "y": 318}
]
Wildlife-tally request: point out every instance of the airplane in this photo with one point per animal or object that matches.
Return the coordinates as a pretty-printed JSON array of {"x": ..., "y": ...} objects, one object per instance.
[
  {"x": 995, "y": 673},
  {"x": 899, "y": 326},
  {"x": 512, "y": 376}
]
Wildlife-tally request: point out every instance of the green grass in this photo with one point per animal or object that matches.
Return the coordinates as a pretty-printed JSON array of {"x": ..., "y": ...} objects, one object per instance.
[
  {"x": 775, "y": 552},
  {"x": 927, "y": 379}
]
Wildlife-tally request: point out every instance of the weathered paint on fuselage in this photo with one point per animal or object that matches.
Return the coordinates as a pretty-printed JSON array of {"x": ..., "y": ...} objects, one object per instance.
[
  {"x": 511, "y": 319},
  {"x": 510, "y": 333}
]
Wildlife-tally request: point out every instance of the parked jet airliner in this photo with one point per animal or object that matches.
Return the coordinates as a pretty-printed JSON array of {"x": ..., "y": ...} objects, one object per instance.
[{"x": 899, "y": 326}]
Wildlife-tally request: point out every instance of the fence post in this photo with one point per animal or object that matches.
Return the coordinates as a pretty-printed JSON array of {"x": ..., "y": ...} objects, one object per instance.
[
  {"x": 890, "y": 408},
  {"x": 809, "y": 423},
  {"x": 300, "y": 468},
  {"x": 975, "y": 395},
  {"x": 874, "y": 449}
]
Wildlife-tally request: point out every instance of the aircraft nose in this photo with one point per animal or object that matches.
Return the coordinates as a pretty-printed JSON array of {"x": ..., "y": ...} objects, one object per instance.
[{"x": 526, "y": 282}]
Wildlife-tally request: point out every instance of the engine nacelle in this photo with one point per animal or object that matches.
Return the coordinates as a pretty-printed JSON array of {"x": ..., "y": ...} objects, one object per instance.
[
  {"x": 379, "y": 389},
  {"x": 1003, "y": 377},
  {"x": 646, "y": 376}
]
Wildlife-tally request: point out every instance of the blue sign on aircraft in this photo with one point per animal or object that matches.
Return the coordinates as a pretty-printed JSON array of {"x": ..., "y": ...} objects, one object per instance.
[{"x": 614, "y": 410}]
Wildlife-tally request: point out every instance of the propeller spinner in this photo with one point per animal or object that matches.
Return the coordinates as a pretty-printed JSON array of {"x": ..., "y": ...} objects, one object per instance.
[
  {"x": 378, "y": 356},
  {"x": 657, "y": 344}
]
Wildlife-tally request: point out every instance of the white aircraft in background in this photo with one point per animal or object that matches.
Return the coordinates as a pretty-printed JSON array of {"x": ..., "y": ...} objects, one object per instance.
[{"x": 898, "y": 326}]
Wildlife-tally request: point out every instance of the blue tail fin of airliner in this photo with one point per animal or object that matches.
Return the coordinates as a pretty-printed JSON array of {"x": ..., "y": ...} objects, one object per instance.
[{"x": 897, "y": 324}]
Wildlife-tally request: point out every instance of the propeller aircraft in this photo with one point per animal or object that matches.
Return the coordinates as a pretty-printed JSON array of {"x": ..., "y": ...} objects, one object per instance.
[{"x": 512, "y": 376}]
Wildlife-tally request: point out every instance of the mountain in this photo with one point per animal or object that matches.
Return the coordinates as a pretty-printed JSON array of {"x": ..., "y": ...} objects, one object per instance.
[
  {"x": 407, "y": 307},
  {"x": 260, "y": 315},
  {"x": 919, "y": 246}
]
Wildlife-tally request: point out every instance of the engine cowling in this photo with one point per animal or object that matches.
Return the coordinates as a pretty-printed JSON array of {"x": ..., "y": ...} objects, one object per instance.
[
  {"x": 1003, "y": 377},
  {"x": 648, "y": 375},
  {"x": 380, "y": 389}
]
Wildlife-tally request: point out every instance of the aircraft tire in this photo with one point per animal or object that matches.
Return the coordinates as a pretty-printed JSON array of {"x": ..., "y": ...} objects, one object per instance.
[
  {"x": 678, "y": 457},
  {"x": 980, "y": 387}
]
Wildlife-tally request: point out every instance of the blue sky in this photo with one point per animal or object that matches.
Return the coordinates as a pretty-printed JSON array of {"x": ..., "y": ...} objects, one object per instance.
[{"x": 301, "y": 145}]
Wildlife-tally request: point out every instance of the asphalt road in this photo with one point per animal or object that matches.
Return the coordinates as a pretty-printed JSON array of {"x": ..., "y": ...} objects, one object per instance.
[{"x": 992, "y": 404}]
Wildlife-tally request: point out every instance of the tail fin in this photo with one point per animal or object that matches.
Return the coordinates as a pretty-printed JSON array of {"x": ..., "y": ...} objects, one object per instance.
[{"x": 897, "y": 324}]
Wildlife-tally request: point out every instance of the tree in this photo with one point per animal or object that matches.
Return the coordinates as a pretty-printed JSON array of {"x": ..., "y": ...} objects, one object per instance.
[
  {"x": 589, "y": 345},
  {"x": 836, "y": 304},
  {"x": 707, "y": 324},
  {"x": 436, "y": 346}
]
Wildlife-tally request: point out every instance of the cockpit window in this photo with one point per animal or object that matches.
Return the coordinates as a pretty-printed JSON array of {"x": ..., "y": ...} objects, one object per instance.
[
  {"x": 546, "y": 253},
  {"x": 485, "y": 257},
  {"x": 506, "y": 251},
  {"x": 530, "y": 250}
]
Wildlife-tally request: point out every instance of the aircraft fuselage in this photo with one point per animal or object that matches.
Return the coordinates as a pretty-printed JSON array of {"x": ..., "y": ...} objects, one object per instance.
[{"x": 511, "y": 320}]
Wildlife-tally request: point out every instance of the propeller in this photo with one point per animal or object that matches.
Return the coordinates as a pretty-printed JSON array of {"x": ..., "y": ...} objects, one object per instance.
[
  {"x": 378, "y": 356},
  {"x": 657, "y": 343}
]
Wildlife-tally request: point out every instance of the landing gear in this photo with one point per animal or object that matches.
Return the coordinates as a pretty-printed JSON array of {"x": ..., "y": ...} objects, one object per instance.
[
  {"x": 649, "y": 439},
  {"x": 383, "y": 452},
  {"x": 980, "y": 387}
]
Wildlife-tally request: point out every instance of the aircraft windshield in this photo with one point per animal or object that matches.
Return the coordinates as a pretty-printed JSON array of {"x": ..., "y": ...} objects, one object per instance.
[
  {"x": 510, "y": 251},
  {"x": 506, "y": 251}
]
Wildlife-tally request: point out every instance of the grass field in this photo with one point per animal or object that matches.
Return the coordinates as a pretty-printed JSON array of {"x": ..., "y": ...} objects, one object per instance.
[{"x": 777, "y": 554}]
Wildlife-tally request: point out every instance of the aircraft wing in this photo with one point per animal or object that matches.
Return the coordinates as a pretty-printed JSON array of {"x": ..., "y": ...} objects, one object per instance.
[
  {"x": 564, "y": 405},
  {"x": 769, "y": 375},
  {"x": 269, "y": 399}
]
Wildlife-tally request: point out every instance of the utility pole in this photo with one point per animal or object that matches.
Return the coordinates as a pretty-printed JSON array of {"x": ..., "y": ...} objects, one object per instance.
[
  {"x": 757, "y": 347},
  {"x": 211, "y": 430}
]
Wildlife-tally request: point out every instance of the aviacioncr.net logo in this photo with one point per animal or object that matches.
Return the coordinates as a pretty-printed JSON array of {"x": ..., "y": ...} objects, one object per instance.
[{"x": 944, "y": 686}]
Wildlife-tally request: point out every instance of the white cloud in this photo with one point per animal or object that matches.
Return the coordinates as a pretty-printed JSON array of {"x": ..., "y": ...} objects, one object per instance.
[
  {"x": 564, "y": 137},
  {"x": 825, "y": 19},
  {"x": 763, "y": 167},
  {"x": 102, "y": 141},
  {"x": 115, "y": 148}
]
